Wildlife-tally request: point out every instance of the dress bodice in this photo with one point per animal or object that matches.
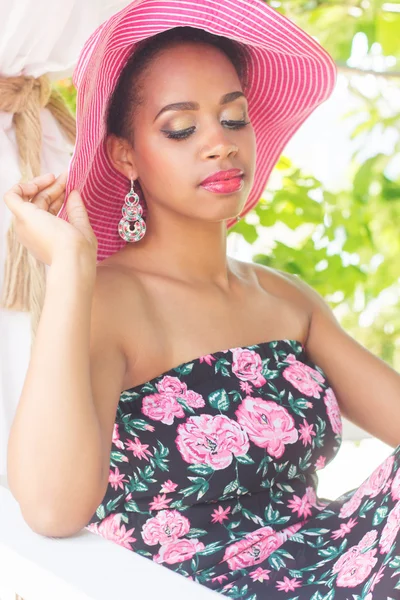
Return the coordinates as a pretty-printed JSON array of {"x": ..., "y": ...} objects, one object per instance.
[{"x": 238, "y": 433}]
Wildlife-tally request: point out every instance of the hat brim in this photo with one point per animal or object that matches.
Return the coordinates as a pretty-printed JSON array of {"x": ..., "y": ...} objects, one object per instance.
[{"x": 289, "y": 75}]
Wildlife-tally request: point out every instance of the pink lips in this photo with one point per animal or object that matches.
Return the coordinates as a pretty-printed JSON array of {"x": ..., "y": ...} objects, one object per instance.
[
  {"x": 224, "y": 187},
  {"x": 222, "y": 176},
  {"x": 224, "y": 182}
]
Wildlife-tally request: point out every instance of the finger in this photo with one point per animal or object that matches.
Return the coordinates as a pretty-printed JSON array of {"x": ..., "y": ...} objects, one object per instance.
[
  {"x": 31, "y": 188},
  {"x": 57, "y": 204},
  {"x": 17, "y": 196},
  {"x": 45, "y": 198}
]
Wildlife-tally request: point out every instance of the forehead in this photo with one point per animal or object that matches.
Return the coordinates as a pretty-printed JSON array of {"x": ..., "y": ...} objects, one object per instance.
[{"x": 188, "y": 71}]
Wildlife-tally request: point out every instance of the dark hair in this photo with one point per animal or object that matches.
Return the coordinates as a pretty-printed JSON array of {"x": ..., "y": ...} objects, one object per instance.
[{"x": 127, "y": 94}]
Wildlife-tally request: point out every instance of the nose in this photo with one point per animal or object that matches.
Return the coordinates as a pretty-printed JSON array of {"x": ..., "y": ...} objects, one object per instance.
[{"x": 219, "y": 145}]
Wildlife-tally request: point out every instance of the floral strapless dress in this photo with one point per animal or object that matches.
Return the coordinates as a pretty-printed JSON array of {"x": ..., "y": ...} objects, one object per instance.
[{"x": 213, "y": 474}]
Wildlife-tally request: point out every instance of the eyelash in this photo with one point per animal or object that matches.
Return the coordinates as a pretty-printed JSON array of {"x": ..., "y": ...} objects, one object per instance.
[{"x": 179, "y": 135}]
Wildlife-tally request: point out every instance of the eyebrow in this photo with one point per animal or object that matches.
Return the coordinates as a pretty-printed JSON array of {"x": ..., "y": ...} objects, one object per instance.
[{"x": 195, "y": 105}]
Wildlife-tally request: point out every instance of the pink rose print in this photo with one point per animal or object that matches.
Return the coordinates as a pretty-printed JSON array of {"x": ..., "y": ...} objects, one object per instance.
[
  {"x": 255, "y": 547},
  {"x": 116, "y": 479},
  {"x": 357, "y": 570},
  {"x": 306, "y": 432},
  {"x": 300, "y": 505},
  {"x": 288, "y": 531},
  {"x": 354, "y": 566},
  {"x": 211, "y": 440},
  {"x": 332, "y": 408},
  {"x": 268, "y": 425},
  {"x": 376, "y": 481},
  {"x": 288, "y": 585},
  {"x": 178, "y": 550},
  {"x": 348, "y": 556},
  {"x": 166, "y": 526},
  {"x": 376, "y": 579},
  {"x": 370, "y": 487},
  {"x": 139, "y": 450},
  {"x": 168, "y": 486},
  {"x": 302, "y": 377},
  {"x": 172, "y": 385},
  {"x": 111, "y": 529},
  {"x": 178, "y": 389},
  {"x": 320, "y": 462},
  {"x": 390, "y": 530},
  {"x": 246, "y": 388},
  {"x": 368, "y": 539},
  {"x": 219, "y": 578},
  {"x": 344, "y": 529},
  {"x": 159, "y": 502},
  {"x": 247, "y": 366},
  {"x": 162, "y": 407},
  {"x": 115, "y": 438},
  {"x": 395, "y": 490},
  {"x": 207, "y": 358},
  {"x": 260, "y": 574},
  {"x": 194, "y": 399},
  {"x": 351, "y": 505},
  {"x": 220, "y": 514}
]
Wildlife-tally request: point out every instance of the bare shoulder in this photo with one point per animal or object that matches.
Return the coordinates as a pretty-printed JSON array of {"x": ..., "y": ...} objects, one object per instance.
[
  {"x": 116, "y": 296},
  {"x": 286, "y": 287},
  {"x": 124, "y": 303},
  {"x": 114, "y": 288},
  {"x": 284, "y": 296},
  {"x": 322, "y": 321}
]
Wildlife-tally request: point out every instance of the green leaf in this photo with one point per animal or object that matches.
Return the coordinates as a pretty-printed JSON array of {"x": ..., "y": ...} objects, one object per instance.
[
  {"x": 276, "y": 561},
  {"x": 366, "y": 506},
  {"x": 185, "y": 405},
  {"x": 131, "y": 506},
  {"x": 395, "y": 562},
  {"x": 379, "y": 515},
  {"x": 219, "y": 399},
  {"x": 245, "y": 459},
  {"x": 210, "y": 549},
  {"x": 231, "y": 487},
  {"x": 196, "y": 533},
  {"x": 201, "y": 469}
]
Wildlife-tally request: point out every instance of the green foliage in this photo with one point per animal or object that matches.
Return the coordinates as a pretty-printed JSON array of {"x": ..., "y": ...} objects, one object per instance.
[
  {"x": 335, "y": 23},
  {"x": 345, "y": 244},
  {"x": 67, "y": 90}
]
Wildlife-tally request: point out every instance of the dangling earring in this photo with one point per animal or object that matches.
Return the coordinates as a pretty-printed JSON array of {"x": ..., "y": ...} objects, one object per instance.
[{"x": 132, "y": 227}]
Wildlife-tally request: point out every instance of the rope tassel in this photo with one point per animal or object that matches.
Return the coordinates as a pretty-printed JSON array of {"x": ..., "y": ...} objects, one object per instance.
[{"x": 24, "y": 276}]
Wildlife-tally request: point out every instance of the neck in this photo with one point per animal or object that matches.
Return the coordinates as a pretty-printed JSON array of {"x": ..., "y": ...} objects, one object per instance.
[{"x": 185, "y": 249}]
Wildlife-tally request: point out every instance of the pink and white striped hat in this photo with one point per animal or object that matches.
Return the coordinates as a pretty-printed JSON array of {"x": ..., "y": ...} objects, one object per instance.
[{"x": 289, "y": 75}]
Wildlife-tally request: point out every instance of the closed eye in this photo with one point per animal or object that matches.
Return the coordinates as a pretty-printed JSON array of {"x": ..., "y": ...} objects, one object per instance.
[{"x": 185, "y": 133}]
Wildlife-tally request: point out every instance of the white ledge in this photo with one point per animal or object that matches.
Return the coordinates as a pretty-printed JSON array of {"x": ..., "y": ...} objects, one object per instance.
[{"x": 82, "y": 567}]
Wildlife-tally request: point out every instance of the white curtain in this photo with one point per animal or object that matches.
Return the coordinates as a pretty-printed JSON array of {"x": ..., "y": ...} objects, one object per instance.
[{"x": 36, "y": 37}]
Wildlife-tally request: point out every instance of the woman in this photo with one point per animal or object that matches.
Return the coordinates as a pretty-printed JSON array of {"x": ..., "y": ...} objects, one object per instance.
[{"x": 232, "y": 374}]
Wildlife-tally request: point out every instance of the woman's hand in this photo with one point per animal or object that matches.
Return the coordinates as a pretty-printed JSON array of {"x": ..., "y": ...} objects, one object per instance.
[{"x": 35, "y": 205}]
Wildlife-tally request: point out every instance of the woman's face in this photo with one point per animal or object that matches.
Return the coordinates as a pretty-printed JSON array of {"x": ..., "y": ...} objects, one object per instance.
[{"x": 170, "y": 170}]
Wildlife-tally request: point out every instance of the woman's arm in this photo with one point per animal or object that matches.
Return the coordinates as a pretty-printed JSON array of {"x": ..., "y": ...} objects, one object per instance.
[
  {"x": 367, "y": 389},
  {"x": 58, "y": 450}
]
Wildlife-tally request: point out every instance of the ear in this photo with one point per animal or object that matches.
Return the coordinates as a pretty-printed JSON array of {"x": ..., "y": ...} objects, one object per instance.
[{"x": 121, "y": 155}]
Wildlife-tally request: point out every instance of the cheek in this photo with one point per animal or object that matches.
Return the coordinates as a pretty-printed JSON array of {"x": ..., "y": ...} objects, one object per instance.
[
  {"x": 251, "y": 146},
  {"x": 165, "y": 162},
  {"x": 249, "y": 154}
]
